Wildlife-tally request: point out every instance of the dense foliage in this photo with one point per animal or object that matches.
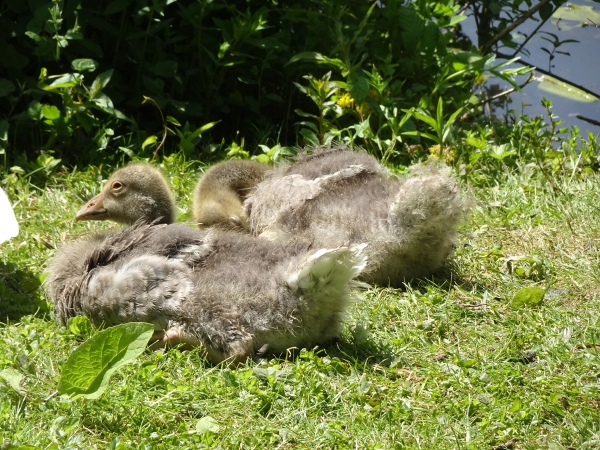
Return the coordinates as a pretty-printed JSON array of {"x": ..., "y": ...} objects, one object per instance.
[{"x": 87, "y": 81}]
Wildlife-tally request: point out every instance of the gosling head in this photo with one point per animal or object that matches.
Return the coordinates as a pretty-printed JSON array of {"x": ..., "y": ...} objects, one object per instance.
[{"x": 135, "y": 192}]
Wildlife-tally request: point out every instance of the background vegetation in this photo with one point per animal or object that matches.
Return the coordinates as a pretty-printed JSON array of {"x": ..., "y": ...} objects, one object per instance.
[
  {"x": 89, "y": 82},
  {"x": 450, "y": 362}
]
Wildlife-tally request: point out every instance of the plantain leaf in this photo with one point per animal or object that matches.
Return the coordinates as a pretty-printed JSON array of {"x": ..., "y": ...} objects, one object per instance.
[
  {"x": 12, "y": 378},
  {"x": 527, "y": 297},
  {"x": 89, "y": 368},
  {"x": 207, "y": 424}
]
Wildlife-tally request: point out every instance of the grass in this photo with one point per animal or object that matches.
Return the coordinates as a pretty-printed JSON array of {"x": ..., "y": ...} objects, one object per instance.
[{"x": 445, "y": 363}]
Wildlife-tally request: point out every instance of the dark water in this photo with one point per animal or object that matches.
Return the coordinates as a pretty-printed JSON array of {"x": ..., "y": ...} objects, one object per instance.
[{"x": 580, "y": 66}]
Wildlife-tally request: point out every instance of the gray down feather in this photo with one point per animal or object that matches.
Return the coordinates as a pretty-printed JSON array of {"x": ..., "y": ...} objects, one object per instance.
[
  {"x": 340, "y": 197},
  {"x": 230, "y": 293}
]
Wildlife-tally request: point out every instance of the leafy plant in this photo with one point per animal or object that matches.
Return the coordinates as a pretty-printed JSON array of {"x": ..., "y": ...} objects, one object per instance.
[
  {"x": 440, "y": 125},
  {"x": 492, "y": 149},
  {"x": 319, "y": 91},
  {"x": 528, "y": 297},
  {"x": 556, "y": 43},
  {"x": 274, "y": 154},
  {"x": 88, "y": 370},
  {"x": 232, "y": 65}
]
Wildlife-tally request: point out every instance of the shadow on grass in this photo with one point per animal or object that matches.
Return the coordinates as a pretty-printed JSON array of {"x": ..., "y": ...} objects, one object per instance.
[
  {"x": 366, "y": 353},
  {"x": 448, "y": 276},
  {"x": 20, "y": 293}
]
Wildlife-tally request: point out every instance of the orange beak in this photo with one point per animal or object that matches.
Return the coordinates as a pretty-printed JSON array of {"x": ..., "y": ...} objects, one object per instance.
[{"x": 93, "y": 210}]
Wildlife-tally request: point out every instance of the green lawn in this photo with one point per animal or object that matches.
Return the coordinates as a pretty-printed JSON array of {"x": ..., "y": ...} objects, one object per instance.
[{"x": 442, "y": 364}]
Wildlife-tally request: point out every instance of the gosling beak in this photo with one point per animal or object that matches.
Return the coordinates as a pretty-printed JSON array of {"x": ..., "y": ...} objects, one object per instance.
[{"x": 93, "y": 210}]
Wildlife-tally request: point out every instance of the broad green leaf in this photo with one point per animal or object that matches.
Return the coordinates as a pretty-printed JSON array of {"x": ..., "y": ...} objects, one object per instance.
[
  {"x": 450, "y": 368},
  {"x": 264, "y": 148},
  {"x": 412, "y": 26},
  {"x": 474, "y": 157},
  {"x": 36, "y": 37},
  {"x": 546, "y": 11},
  {"x": 84, "y": 64},
  {"x": 67, "y": 80},
  {"x": 89, "y": 368},
  {"x": 364, "y": 386},
  {"x": 309, "y": 136},
  {"x": 50, "y": 112},
  {"x": 507, "y": 74},
  {"x": 500, "y": 152},
  {"x": 306, "y": 56},
  {"x": 262, "y": 158},
  {"x": 528, "y": 297},
  {"x": 34, "y": 111},
  {"x": 103, "y": 105},
  {"x": 358, "y": 86},
  {"x": 476, "y": 142},
  {"x": 207, "y": 424},
  {"x": 461, "y": 60},
  {"x": 223, "y": 49},
  {"x": 562, "y": 89},
  {"x": 149, "y": 141},
  {"x": 13, "y": 378},
  {"x": 454, "y": 20},
  {"x": 361, "y": 128},
  {"x": 101, "y": 81}
]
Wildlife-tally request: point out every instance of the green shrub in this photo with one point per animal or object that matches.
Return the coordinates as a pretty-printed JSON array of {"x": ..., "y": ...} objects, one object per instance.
[{"x": 79, "y": 76}]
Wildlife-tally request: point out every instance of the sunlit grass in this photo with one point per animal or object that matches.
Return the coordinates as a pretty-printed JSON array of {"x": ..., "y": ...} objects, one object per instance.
[{"x": 445, "y": 363}]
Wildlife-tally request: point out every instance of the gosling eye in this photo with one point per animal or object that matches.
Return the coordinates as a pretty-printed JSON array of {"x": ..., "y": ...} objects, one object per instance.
[{"x": 117, "y": 186}]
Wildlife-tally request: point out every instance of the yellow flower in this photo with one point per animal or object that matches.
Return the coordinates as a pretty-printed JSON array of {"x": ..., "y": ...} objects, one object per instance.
[
  {"x": 446, "y": 153},
  {"x": 345, "y": 101}
]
